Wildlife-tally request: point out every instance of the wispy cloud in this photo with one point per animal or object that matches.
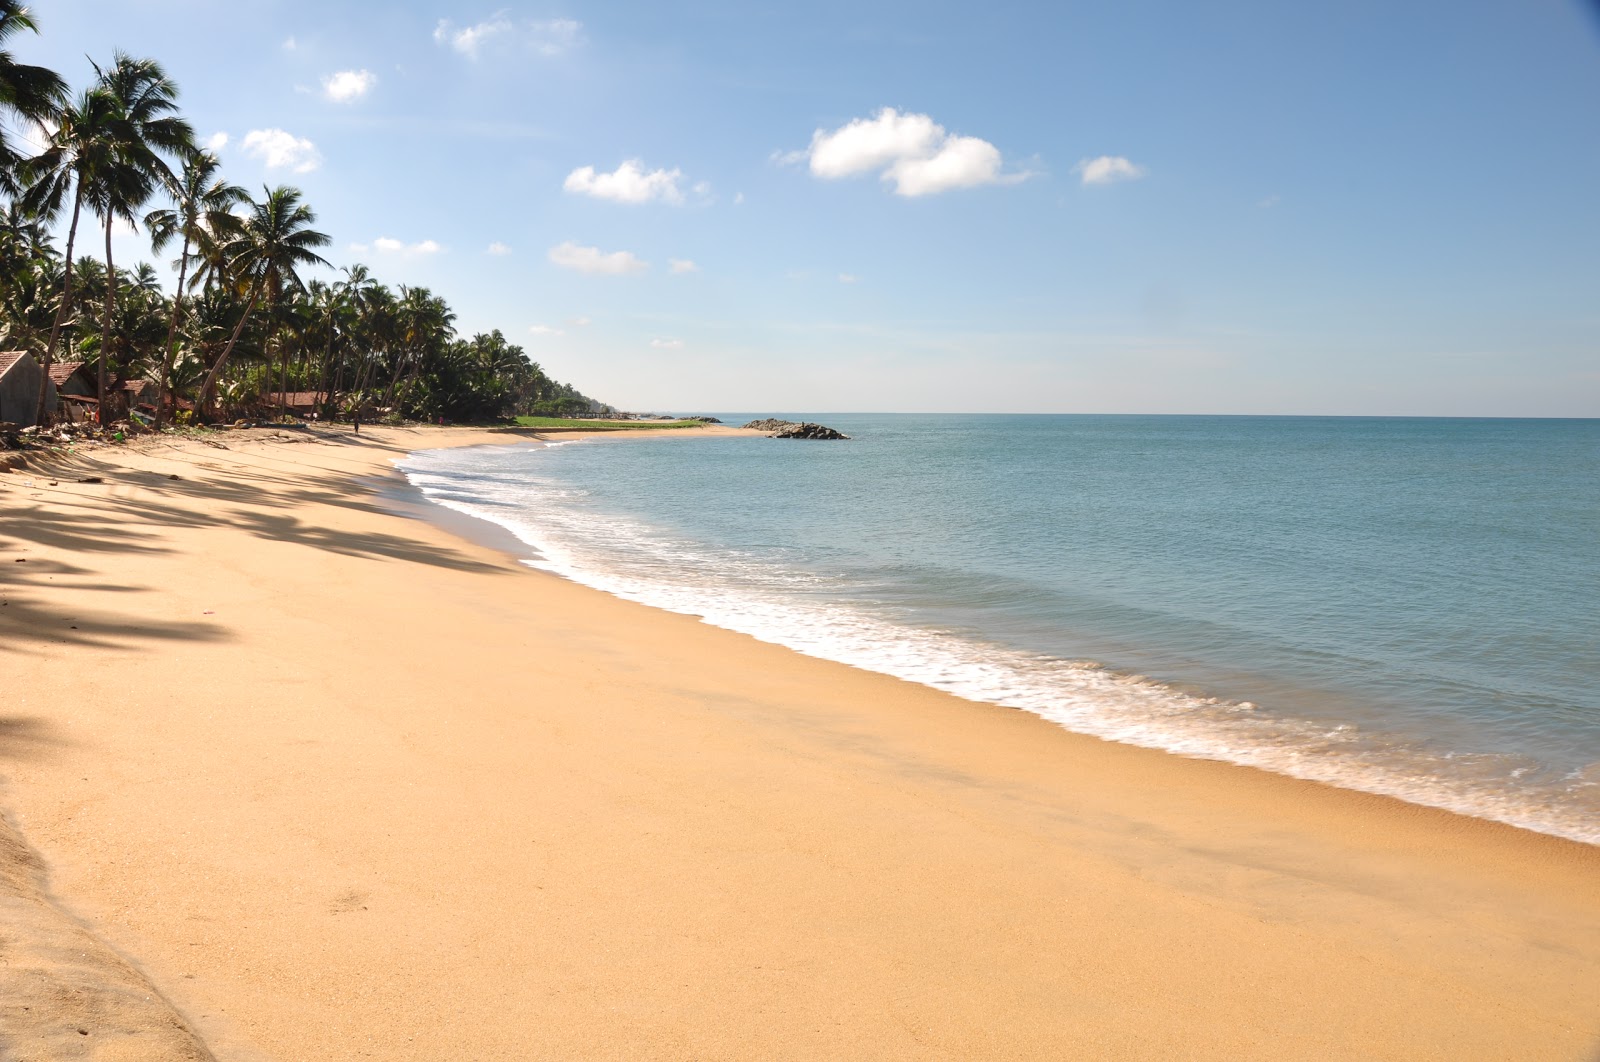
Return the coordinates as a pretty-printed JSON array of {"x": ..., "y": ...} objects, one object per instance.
[
  {"x": 596, "y": 262},
  {"x": 498, "y": 248},
  {"x": 546, "y": 330},
  {"x": 550, "y": 37},
  {"x": 347, "y": 86},
  {"x": 216, "y": 142},
  {"x": 682, "y": 265},
  {"x": 580, "y": 322},
  {"x": 278, "y": 150},
  {"x": 667, "y": 344},
  {"x": 848, "y": 278},
  {"x": 910, "y": 150},
  {"x": 628, "y": 183},
  {"x": 1108, "y": 169}
]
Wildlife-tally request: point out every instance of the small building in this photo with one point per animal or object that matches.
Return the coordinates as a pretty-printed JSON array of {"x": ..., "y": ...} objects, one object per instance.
[
  {"x": 137, "y": 393},
  {"x": 74, "y": 378},
  {"x": 300, "y": 403},
  {"x": 19, "y": 388}
]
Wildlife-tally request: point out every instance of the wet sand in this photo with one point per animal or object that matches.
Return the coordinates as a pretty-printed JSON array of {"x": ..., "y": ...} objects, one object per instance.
[{"x": 314, "y": 779}]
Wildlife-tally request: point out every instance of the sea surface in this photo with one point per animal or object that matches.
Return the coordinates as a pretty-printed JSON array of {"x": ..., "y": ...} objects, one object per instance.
[{"x": 1404, "y": 606}]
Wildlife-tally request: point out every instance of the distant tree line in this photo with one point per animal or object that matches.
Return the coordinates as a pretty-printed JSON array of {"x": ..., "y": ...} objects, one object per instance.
[{"x": 242, "y": 328}]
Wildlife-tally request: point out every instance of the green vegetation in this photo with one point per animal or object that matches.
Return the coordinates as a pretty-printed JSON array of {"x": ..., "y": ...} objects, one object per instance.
[
  {"x": 592, "y": 424},
  {"x": 241, "y": 313}
]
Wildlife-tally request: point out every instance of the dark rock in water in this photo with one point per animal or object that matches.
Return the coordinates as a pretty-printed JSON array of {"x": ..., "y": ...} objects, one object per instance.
[
  {"x": 788, "y": 429},
  {"x": 808, "y": 431},
  {"x": 705, "y": 420}
]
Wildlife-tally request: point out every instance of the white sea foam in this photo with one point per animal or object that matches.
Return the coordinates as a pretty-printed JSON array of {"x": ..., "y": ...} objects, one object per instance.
[{"x": 793, "y": 608}]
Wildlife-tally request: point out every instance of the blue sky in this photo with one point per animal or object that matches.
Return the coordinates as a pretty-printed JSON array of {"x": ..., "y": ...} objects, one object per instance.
[{"x": 1353, "y": 208}]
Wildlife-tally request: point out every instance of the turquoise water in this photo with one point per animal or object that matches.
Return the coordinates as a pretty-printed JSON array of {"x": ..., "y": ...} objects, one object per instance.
[{"x": 1396, "y": 605}]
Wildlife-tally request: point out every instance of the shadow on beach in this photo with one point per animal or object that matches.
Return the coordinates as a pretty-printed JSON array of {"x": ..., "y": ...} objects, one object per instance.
[{"x": 256, "y": 491}]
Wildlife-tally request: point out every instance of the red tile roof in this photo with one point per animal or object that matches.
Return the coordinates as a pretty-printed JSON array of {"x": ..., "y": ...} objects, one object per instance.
[
  {"x": 61, "y": 371},
  {"x": 10, "y": 358}
]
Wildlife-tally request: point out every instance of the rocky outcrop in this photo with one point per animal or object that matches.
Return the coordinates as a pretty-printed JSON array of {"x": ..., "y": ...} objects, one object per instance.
[{"x": 788, "y": 429}]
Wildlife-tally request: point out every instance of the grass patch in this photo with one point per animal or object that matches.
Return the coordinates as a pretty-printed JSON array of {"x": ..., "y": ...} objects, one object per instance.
[{"x": 603, "y": 425}]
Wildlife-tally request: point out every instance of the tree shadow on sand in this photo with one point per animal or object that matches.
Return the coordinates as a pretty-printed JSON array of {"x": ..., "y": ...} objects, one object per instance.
[{"x": 256, "y": 492}]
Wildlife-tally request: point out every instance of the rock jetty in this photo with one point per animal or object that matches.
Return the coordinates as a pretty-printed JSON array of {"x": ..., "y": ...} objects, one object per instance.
[{"x": 788, "y": 429}]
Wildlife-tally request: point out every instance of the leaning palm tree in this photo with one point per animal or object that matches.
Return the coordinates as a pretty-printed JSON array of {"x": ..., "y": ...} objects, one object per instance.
[
  {"x": 30, "y": 94},
  {"x": 145, "y": 126},
  {"x": 203, "y": 215},
  {"x": 74, "y": 165},
  {"x": 275, "y": 241}
]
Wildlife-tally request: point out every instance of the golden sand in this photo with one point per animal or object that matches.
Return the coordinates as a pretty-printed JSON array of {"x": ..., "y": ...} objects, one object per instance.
[{"x": 318, "y": 781}]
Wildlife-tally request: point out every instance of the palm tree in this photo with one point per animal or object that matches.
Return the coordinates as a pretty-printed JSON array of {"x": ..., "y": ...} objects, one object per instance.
[
  {"x": 30, "y": 93},
  {"x": 73, "y": 165},
  {"x": 426, "y": 323},
  {"x": 145, "y": 126},
  {"x": 203, "y": 215},
  {"x": 275, "y": 241}
]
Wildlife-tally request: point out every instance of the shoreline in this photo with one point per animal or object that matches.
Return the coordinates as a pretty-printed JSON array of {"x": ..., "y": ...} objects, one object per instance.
[
  {"x": 699, "y": 800},
  {"x": 484, "y": 523}
]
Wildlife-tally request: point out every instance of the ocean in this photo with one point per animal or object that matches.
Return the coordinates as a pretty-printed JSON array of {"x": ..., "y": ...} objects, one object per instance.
[{"x": 1402, "y": 606}]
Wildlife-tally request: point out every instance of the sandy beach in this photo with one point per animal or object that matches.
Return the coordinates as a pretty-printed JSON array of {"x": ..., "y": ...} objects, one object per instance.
[{"x": 288, "y": 774}]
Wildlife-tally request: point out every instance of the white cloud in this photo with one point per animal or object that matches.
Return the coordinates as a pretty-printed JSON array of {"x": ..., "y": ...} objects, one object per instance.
[
  {"x": 592, "y": 260},
  {"x": 346, "y": 86},
  {"x": 290, "y": 45},
  {"x": 548, "y": 38},
  {"x": 912, "y": 150},
  {"x": 399, "y": 248},
  {"x": 279, "y": 150},
  {"x": 581, "y": 322},
  {"x": 667, "y": 344},
  {"x": 1269, "y": 202},
  {"x": 546, "y": 330},
  {"x": 629, "y": 183},
  {"x": 555, "y": 36},
  {"x": 738, "y": 199},
  {"x": 1108, "y": 169},
  {"x": 499, "y": 248},
  {"x": 682, "y": 265},
  {"x": 216, "y": 142},
  {"x": 848, "y": 278}
]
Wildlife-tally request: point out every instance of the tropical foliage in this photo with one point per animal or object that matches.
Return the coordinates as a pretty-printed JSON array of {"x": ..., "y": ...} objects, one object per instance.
[{"x": 248, "y": 322}]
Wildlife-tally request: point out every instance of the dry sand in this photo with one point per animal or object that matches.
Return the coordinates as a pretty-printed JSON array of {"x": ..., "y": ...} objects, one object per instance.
[{"x": 340, "y": 785}]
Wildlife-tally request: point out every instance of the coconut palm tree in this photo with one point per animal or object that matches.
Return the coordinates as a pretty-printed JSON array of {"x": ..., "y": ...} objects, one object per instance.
[
  {"x": 275, "y": 241},
  {"x": 203, "y": 215},
  {"x": 31, "y": 94},
  {"x": 73, "y": 166},
  {"x": 145, "y": 126}
]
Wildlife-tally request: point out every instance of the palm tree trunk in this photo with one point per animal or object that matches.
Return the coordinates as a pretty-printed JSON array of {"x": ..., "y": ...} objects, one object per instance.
[
  {"x": 283, "y": 379},
  {"x": 208, "y": 389},
  {"x": 105, "y": 328},
  {"x": 61, "y": 311},
  {"x": 170, "y": 354},
  {"x": 330, "y": 379}
]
